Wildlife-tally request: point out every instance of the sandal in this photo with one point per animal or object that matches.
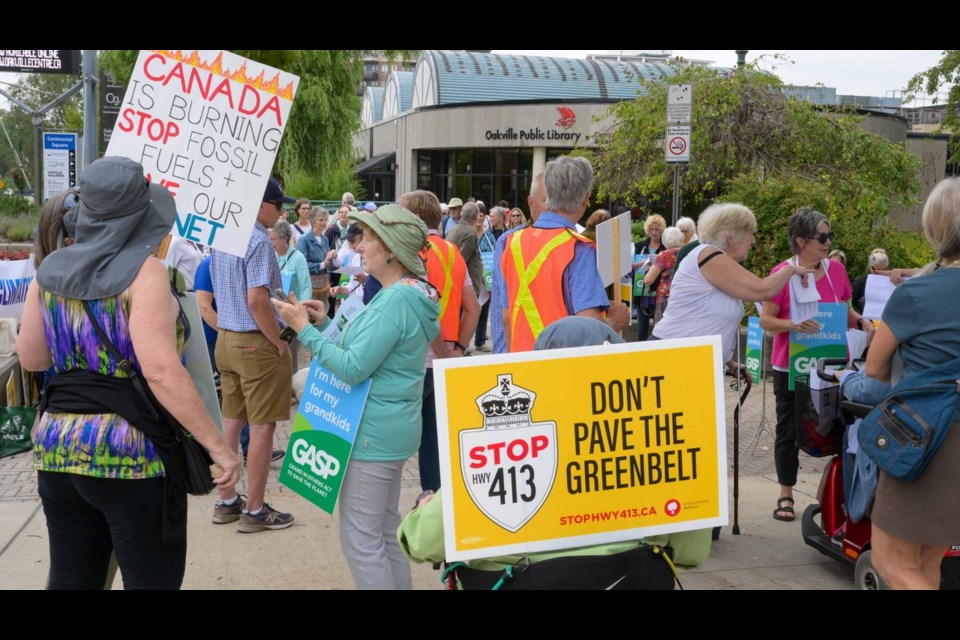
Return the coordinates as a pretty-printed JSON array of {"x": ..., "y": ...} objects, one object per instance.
[{"x": 784, "y": 513}]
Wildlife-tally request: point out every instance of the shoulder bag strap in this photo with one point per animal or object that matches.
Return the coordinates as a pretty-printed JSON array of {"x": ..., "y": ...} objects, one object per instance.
[{"x": 125, "y": 365}]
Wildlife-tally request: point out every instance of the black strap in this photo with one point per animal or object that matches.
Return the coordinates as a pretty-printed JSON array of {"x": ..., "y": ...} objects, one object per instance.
[
  {"x": 122, "y": 363},
  {"x": 709, "y": 258}
]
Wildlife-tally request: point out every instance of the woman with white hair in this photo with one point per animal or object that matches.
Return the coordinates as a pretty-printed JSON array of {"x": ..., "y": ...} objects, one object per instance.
[
  {"x": 708, "y": 290},
  {"x": 877, "y": 261},
  {"x": 688, "y": 228},
  {"x": 662, "y": 269}
]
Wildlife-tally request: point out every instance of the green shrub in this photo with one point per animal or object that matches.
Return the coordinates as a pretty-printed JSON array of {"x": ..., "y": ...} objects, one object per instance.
[
  {"x": 16, "y": 205},
  {"x": 21, "y": 230}
]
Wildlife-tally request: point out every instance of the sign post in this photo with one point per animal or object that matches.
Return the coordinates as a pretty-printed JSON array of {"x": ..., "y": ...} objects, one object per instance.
[{"x": 677, "y": 139}]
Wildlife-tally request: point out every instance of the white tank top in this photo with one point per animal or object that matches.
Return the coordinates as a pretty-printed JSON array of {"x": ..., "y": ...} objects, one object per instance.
[{"x": 697, "y": 308}]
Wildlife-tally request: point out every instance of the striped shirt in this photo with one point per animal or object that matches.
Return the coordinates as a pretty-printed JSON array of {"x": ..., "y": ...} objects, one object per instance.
[{"x": 234, "y": 276}]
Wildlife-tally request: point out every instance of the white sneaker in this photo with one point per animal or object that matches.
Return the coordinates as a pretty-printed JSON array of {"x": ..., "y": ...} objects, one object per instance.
[{"x": 485, "y": 347}]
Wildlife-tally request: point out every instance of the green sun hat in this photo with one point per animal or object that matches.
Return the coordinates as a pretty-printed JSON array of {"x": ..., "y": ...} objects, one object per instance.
[{"x": 403, "y": 233}]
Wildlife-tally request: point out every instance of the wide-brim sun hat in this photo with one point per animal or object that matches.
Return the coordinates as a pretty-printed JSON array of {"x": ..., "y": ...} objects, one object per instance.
[
  {"x": 403, "y": 233},
  {"x": 119, "y": 221}
]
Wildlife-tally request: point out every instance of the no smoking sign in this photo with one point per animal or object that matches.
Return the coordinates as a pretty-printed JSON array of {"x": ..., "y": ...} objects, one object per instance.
[{"x": 677, "y": 147}]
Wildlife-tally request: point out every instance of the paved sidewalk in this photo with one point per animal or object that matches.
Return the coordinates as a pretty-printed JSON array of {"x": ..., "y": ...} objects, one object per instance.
[{"x": 768, "y": 555}]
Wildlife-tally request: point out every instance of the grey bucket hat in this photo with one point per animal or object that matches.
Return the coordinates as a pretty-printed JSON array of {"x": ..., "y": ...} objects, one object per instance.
[{"x": 120, "y": 220}]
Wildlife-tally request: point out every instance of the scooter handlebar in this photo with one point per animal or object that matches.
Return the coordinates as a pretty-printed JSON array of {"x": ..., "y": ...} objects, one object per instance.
[{"x": 823, "y": 363}]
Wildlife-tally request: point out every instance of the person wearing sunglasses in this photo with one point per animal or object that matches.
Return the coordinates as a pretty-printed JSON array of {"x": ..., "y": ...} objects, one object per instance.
[
  {"x": 811, "y": 238},
  {"x": 516, "y": 220}
]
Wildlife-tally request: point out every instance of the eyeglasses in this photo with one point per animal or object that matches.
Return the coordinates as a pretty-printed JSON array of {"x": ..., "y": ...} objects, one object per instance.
[
  {"x": 277, "y": 204},
  {"x": 515, "y": 215},
  {"x": 822, "y": 238},
  {"x": 72, "y": 200}
]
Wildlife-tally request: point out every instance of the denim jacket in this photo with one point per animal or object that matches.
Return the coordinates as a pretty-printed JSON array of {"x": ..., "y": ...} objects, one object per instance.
[{"x": 315, "y": 249}]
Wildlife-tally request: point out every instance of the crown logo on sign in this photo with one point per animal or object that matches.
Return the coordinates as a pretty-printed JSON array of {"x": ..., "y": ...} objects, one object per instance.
[{"x": 506, "y": 405}]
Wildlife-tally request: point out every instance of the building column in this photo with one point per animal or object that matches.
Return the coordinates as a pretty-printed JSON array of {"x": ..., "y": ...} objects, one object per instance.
[{"x": 539, "y": 160}]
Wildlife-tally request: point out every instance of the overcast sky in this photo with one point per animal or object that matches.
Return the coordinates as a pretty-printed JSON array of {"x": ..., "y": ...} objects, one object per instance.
[{"x": 864, "y": 72}]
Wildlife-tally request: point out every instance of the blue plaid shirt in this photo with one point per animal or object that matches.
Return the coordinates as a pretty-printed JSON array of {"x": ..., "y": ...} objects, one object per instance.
[{"x": 233, "y": 276}]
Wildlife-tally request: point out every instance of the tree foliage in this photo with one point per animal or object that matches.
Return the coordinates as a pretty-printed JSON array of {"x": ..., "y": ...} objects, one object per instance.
[
  {"x": 316, "y": 150},
  {"x": 36, "y": 90},
  {"x": 945, "y": 72},
  {"x": 753, "y": 144}
]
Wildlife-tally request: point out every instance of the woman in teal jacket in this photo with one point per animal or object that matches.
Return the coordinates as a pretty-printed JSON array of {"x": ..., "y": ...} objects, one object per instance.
[{"x": 386, "y": 342}]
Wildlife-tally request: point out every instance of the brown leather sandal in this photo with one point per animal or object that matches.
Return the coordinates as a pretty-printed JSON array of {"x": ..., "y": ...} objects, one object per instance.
[{"x": 782, "y": 513}]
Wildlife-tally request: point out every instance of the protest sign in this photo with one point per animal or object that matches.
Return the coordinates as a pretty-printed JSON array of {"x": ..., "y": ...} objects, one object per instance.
[
  {"x": 324, "y": 431},
  {"x": 829, "y": 342},
  {"x": 548, "y": 450},
  {"x": 346, "y": 312},
  {"x": 614, "y": 249},
  {"x": 206, "y": 125},
  {"x": 487, "y": 257},
  {"x": 197, "y": 359},
  {"x": 754, "y": 348},
  {"x": 15, "y": 279}
]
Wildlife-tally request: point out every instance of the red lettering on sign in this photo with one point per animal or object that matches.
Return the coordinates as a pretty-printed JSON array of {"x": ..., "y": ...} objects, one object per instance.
[
  {"x": 192, "y": 80},
  {"x": 515, "y": 450}
]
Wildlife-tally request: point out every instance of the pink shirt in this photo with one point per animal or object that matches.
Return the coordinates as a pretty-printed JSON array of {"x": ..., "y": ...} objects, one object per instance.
[{"x": 834, "y": 286}]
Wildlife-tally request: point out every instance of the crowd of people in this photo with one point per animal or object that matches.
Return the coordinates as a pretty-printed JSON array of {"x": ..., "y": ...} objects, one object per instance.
[{"x": 436, "y": 281}]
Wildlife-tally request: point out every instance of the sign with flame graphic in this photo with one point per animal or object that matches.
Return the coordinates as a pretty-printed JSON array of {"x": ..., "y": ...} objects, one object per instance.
[
  {"x": 206, "y": 124},
  {"x": 550, "y": 450}
]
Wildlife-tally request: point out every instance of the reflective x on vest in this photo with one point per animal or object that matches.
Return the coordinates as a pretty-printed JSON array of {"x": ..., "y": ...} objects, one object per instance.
[
  {"x": 447, "y": 275},
  {"x": 526, "y": 275}
]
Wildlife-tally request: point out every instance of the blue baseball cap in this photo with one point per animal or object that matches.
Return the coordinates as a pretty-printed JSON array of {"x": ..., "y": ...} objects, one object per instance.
[{"x": 274, "y": 193}]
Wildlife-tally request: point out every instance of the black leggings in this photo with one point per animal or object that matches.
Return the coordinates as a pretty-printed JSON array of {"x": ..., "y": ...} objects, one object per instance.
[
  {"x": 786, "y": 454},
  {"x": 87, "y": 518}
]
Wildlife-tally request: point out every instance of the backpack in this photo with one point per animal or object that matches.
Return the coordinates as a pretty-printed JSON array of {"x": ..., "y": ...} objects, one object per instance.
[{"x": 903, "y": 432}]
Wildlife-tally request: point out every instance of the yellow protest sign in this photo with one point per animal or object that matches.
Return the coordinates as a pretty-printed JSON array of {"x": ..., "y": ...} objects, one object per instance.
[{"x": 549, "y": 450}]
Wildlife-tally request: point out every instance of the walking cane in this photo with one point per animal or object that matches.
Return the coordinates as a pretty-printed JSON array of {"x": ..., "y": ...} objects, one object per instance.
[{"x": 744, "y": 384}]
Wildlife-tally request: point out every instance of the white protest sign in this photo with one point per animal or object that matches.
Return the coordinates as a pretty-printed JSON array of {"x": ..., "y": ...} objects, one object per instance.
[
  {"x": 206, "y": 125},
  {"x": 614, "y": 249},
  {"x": 878, "y": 291}
]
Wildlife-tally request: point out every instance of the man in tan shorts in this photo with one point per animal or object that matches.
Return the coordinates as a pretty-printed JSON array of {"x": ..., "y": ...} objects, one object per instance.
[{"x": 254, "y": 363}]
